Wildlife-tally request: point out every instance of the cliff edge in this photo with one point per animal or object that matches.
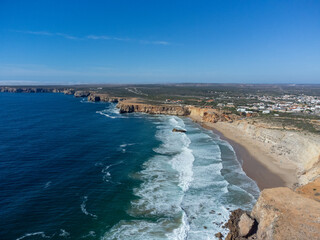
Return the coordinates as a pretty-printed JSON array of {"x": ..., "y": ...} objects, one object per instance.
[{"x": 280, "y": 214}]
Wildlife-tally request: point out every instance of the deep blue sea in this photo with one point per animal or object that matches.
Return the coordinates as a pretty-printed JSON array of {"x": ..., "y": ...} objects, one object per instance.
[{"x": 71, "y": 169}]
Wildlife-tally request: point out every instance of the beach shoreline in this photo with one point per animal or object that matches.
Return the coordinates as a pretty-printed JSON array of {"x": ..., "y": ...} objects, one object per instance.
[{"x": 256, "y": 162}]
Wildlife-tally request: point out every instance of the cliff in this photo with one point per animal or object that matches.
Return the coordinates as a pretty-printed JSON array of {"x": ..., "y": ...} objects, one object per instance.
[
  {"x": 196, "y": 113},
  {"x": 280, "y": 214},
  {"x": 296, "y": 148},
  {"x": 68, "y": 91},
  {"x": 129, "y": 107},
  {"x": 97, "y": 97}
]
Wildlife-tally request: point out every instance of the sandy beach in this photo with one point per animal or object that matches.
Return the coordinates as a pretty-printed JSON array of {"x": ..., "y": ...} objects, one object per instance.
[{"x": 257, "y": 163}]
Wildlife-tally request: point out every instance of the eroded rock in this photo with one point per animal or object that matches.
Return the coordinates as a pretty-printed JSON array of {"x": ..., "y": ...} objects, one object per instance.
[
  {"x": 246, "y": 224},
  {"x": 283, "y": 214}
]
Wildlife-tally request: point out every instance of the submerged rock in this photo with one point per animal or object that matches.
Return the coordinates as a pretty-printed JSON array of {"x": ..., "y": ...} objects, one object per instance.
[{"x": 219, "y": 235}]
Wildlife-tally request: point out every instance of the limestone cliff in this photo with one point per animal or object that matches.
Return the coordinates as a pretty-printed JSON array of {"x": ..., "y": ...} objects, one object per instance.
[
  {"x": 196, "y": 113},
  {"x": 68, "y": 91},
  {"x": 293, "y": 147},
  {"x": 81, "y": 93},
  {"x": 128, "y": 107},
  {"x": 97, "y": 97},
  {"x": 280, "y": 214}
]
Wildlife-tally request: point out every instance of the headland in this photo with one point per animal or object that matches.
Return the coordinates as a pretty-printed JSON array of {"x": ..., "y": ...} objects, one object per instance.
[{"x": 282, "y": 156}]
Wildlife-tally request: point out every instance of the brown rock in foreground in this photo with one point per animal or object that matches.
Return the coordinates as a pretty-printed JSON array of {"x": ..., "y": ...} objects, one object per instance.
[
  {"x": 233, "y": 224},
  {"x": 245, "y": 225},
  {"x": 283, "y": 214},
  {"x": 311, "y": 190},
  {"x": 280, "y": 214}
]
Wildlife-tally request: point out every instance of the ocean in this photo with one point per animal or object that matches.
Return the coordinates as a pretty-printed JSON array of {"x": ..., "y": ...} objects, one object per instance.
[{"x": 72, "y": 169}]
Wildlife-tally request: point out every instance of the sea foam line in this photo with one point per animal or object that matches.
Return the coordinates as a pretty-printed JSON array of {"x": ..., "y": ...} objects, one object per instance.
[
  {"x": 84, "y": 210},
  {"x": 41, "y": 234}
]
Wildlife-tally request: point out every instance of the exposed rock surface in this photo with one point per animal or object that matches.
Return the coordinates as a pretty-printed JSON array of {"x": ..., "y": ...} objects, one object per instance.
[
  {"x": 280, "y": 214},
  {"x": 211, "y": 115},
  {"x": 311, "y": 190},
  {"x": 298, "y": 149},
  {"x": 233, "y": 225},
  {"x": 284, "y": 214},
  {"x": 127, "y": 107},
  {"x": 178, "y": 130},
  {"x": 219, "y": 235},
  {"x": 81, "y": 94},
  {"x": 26, "y": 89},
  {"x": 200, "y": 114},
  {"x": 245, "y": 225},
  {"x": 97, "y": 97},
  {"x": 68, "y": 91}
]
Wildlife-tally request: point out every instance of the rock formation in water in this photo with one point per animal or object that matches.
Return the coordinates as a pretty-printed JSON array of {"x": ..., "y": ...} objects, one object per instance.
[
  {"x": 178, "y": 130},
  {"x": 280, "y": 214}
]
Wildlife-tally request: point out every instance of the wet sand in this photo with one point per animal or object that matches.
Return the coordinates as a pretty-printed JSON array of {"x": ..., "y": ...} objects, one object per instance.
[
  {"x": 252, "y": 167},
  {"x": 256, "y": 162}
]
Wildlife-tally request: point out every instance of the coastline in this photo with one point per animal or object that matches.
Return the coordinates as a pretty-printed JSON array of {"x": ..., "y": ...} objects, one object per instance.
[{"x": 256, "y": 162}]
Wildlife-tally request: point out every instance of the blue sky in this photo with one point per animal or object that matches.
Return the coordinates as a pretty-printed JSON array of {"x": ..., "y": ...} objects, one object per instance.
[{"x": 159, "y": 41}]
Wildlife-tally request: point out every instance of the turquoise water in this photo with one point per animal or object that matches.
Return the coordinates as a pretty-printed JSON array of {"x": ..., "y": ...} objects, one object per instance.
[{"x": 71, "y": 169}]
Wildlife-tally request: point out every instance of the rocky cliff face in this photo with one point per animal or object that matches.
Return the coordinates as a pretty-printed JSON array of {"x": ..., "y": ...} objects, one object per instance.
[
  {"x": 299, "y": 148},
  {"x": 68, "y": 91},
  {"x": 27, "y": 89},
  {"x": 97, "y": 97},
  {"x": 211, "y": 115},
  {"x": 81, "y": 93},
  {"x": 126, "y": 107},
  {"x": 196, "y": 113},
  {"x": 279, "y": 214}
]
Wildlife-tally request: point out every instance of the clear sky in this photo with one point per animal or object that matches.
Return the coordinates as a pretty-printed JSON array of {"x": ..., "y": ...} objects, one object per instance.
[{"x": 159, "y": 41}]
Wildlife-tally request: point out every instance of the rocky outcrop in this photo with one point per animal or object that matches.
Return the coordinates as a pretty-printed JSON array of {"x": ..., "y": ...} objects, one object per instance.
[
  {"x": 245, "y": 225},
  {"x": 37, "y": 90},
  {"x": 280, "y": 214},
  {"x": 94, "y": 97},
  {"x": 211, "y": 115},
  {"x": 81, "y": 94},
  {"x": 27, "y": 89},
  {"x": 196, "y": 113},
  {"x": 126, "y": 107},
  {"x": 68, "y": 91},
  {"x": 311, "y": 190},
  {"x": 178, "y": 130}
]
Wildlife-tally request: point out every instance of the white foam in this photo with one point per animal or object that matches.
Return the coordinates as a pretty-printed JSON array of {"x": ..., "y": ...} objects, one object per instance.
[
  {"x": 183, "y": 164},
  {"x": 180, "y": 233},
  {"x": 83, "y": 208},
  {"x": 183, "y": 187},
  {"x": 47, "y": 184},
  {"x": 91, "y": 234},
  {"x": 107, "y": 173},
  {"x": 64, "y": 233},
  {"x": 143, "y": 230},
  {"x": 105, "y": 114},
  {"x": 27, "y": 235}
]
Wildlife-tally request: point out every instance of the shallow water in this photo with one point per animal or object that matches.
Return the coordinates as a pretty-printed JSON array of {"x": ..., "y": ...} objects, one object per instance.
[{"x": 71, "y": 169}]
